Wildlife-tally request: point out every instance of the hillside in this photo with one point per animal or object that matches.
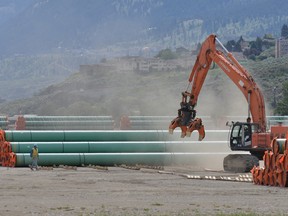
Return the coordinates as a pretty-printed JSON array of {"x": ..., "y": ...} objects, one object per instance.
[
  {"x": 22, "y": 76},
  {"x": 42, "y": 26},
  {"x": 159, "y": 93},
  {"x": 43, "y": 42}
]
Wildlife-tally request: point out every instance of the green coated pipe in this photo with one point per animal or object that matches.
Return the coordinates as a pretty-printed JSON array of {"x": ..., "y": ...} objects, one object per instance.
[
  {"x": 67, "y": 123},
  {"x": 71, "y": 127},
  {"x": 3, "y": 118},
  {"x": 111, "y": 159},
  {"x": 109, "y": 135},
  {"x": 169, "y": 118},
  {"x": 89, "y": 147},
  {"x": 152, "y": 123},
  {"x": 3, "y": 124},
  {"x": 151, "y": 117},
  {"x": 281, "y": 145},
  {"x": 67, "y": 118},
  {"x": 97, "y": 135},
  {"x": 148, "y": 127},
  {"x": 43, "y": 147},
  {"x": 104, "y": 159},
  {"x": 117, "y": 147}
]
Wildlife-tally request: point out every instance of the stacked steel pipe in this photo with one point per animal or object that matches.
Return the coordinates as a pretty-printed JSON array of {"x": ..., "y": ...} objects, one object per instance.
[
  {"x": 148, "y": 122},
  {"x": 4, "y": 122},
  {"x": 83, "y": 147},
  {"x": 64, "y": 123},
  {"x": 274, "y": 172},
  {"x": 106, "y": 148}
]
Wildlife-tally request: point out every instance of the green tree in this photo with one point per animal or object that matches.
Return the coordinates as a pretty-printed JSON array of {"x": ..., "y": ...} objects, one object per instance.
[
  {"x": 239, "y": 43},
  {"x": 230, "y": 45},
  {"x": 258, "y": 43},
  {"x": 166, "y": 54},
  {"x": 268, "y": 36},
  {"x": 233, "y": 46},
  {"x": 284, "y": 31},
  {"x": 255, "y": 49},
  {"x": 282, "y": 105}
]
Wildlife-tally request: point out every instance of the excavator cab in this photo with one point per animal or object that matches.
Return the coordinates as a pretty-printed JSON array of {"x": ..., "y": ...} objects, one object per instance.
[
  {"x": 241, "y": 135},
  {"x": 241, "y": 140}
]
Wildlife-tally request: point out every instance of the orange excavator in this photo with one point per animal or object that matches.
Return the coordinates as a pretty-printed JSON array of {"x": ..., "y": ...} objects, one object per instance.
[{"x": 251, "y": 135}]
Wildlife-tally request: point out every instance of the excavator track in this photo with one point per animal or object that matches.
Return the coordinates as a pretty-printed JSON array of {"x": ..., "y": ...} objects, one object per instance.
[{"x": 240, "y": 163}]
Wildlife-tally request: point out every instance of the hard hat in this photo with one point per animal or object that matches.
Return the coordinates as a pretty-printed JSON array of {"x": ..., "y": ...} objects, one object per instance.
[{"x": 35, "y": 145}]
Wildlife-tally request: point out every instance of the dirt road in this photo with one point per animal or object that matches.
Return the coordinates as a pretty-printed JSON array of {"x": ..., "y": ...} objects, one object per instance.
[{"x": 120, "y": 191}]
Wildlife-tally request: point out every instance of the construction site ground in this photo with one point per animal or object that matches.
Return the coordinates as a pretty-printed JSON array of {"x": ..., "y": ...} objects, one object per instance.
[{"x": 127, "y": 191}]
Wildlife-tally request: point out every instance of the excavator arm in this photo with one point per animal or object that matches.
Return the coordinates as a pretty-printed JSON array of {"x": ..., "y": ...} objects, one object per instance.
[{"x": 232, "y": 68}]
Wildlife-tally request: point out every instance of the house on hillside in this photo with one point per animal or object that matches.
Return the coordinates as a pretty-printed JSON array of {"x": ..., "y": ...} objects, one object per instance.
[
  {"x": 281, "y": 47},
  {"x": 138, "y": 64}
]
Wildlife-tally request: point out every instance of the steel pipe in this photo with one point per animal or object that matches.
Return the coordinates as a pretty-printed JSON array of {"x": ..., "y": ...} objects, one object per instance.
[
  {"x": 71, "y": 127},
  {"x": 66, "y": 118},
  {"x": 111, "y": 159},
  {"x": 67, "y": 123},
  {"x": 113, "y": 147},
  {"x": 278, "y": 146},
  {"x": 89, "y": 147},
  {"x": 97, "y": 135}
]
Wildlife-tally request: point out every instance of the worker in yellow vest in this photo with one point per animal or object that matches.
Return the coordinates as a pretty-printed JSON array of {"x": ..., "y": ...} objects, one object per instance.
[{"x": 34, "y": 154}]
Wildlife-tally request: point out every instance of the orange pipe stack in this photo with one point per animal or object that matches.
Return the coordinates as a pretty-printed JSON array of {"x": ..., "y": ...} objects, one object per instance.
[
  {"x": 274, "y": 172},
  {"x": 7, "y": 157}
]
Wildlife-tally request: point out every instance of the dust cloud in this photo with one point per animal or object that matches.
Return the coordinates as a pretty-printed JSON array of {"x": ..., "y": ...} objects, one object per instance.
[{"x": 218, "y": 102}]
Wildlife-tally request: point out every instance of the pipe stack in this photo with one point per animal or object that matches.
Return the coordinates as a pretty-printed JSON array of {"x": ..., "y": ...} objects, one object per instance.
[
  {"x": 64, "y": 123},
  {"x": 149, "y": 122},
  {"x": 84, "y": 147},
  {"x": 4, "y": 122},
  {"x": 274, "y": 172},
  {"x": 105, "y": 148}
]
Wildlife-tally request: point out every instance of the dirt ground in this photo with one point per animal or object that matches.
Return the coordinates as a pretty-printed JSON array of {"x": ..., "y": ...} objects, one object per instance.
[{"x": 121, "y": 191}]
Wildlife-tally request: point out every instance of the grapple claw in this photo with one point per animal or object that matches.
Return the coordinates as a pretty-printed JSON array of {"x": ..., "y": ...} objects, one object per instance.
[
  {"x": 176, "y": 123},
  {"x": 196, "y": 124},
  {"x": 184, "y": 131}
]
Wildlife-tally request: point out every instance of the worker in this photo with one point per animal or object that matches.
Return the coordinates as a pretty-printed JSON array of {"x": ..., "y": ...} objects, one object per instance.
[
  {"x": 34, "y": 154},
  {"x": 247, "y": 135}
]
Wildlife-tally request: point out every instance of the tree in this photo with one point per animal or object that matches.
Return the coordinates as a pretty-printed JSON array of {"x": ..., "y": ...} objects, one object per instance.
[
  {"x": 268, "y": 37},
  {"x": 255, "y": 49},
  {"x": 284, "y": 31},
  {"x": 166, "y": 54},
  {"x": 233, "y": 46},
  {"x": 259, "y": 44},
  {"x": 230, "y": 45},
  {"x": 282, "y": 105}
]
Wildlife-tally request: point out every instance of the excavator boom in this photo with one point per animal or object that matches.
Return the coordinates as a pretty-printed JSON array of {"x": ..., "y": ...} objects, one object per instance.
[{"x": 232, "y": 68}]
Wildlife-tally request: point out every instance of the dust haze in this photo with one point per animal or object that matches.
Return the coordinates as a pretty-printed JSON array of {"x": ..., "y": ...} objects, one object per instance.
[{"x": 160, "y": 95}]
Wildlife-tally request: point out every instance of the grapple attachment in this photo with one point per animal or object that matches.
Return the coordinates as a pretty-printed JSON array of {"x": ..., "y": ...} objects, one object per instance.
[
  {"x": 176, "y": 122},
  {"x": 195, "y": 124},
  {"x": 186, "y": 118}
]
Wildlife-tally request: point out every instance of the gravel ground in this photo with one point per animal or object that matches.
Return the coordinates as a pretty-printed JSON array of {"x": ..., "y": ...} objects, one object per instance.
[{"x": 120, "y": 191}]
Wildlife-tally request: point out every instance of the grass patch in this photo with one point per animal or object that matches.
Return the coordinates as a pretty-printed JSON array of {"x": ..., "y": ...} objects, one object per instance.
[{"x": 157, "y": 204}]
